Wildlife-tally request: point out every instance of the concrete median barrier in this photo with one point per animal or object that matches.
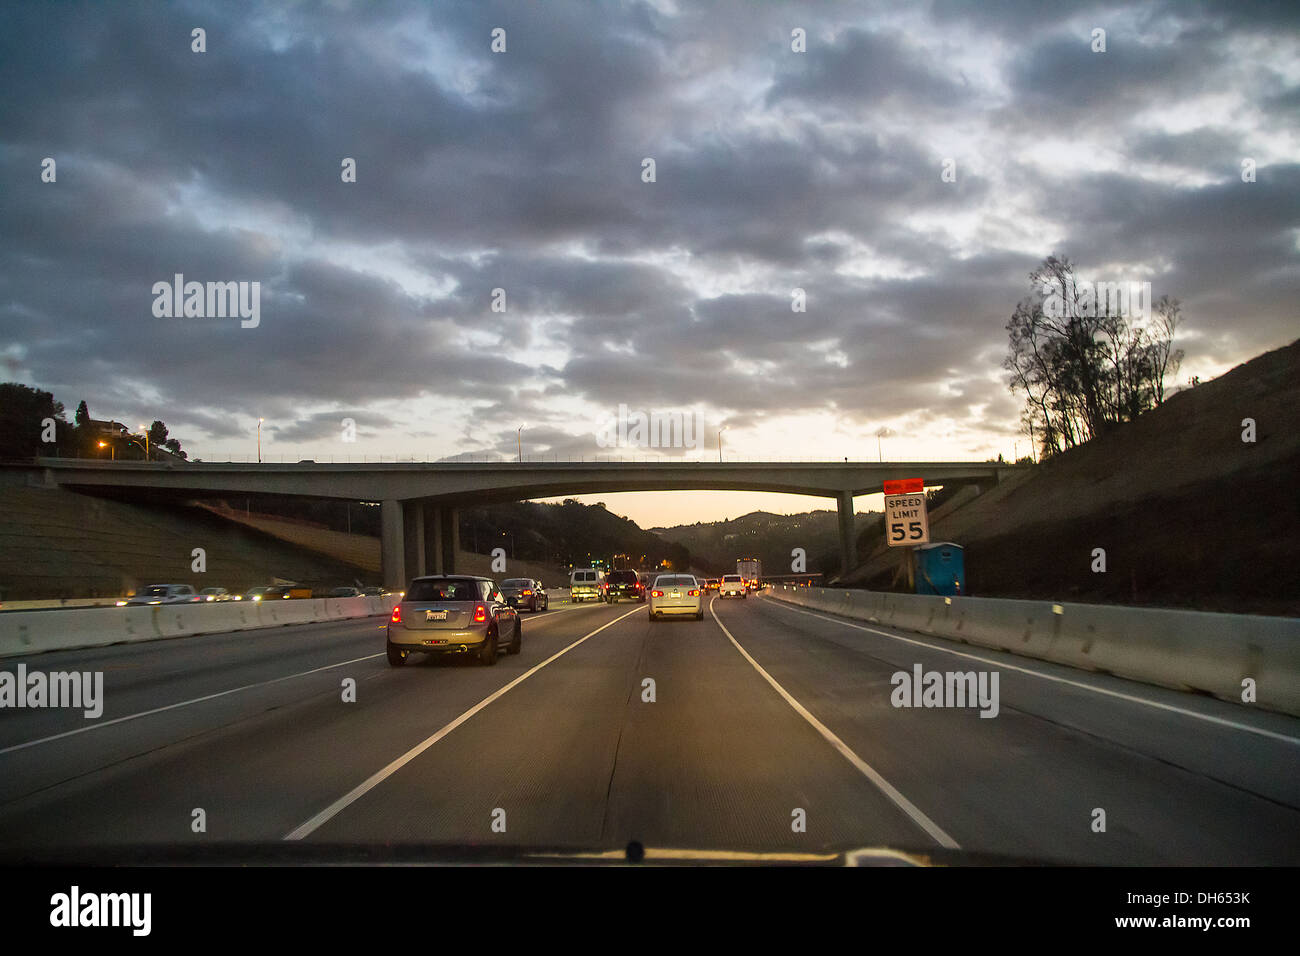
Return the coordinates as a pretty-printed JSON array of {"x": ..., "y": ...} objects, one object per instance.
[
  {"x": 32, "y": 632},
  {"x": 1213, "y": 654}
]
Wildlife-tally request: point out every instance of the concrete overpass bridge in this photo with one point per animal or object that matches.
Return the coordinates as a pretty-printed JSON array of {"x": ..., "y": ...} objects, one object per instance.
[{"x": 419, "y": 500}]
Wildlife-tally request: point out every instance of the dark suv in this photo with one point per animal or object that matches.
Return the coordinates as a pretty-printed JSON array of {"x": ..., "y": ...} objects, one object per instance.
[{"x": 623, "y": 584}]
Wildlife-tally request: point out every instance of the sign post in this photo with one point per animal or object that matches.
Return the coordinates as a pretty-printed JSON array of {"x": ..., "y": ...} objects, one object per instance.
[{"x": 906, "y": 521}]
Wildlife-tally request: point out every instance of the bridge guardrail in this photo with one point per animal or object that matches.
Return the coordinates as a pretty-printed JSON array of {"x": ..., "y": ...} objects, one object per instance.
[
  {"x": 1185, "y": 650},
  {"x": 31, "y": 632}
]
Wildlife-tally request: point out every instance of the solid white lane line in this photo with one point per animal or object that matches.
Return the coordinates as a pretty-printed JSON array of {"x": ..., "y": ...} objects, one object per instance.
[
  {"x": 356, "y": 793},
  {"x": 1223, "y": 722},
  {"x": 184, "y": 703},
  {"x": 920, "y": 819},
  {"x": 199, "y": 700}
]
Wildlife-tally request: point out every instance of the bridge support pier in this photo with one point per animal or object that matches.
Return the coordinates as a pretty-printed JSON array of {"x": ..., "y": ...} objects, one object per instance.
[
  {"x": 429, "y": 515},
  {"x": 450, "y": 521},
  {"x": 392, "y": 548},
  {"x": 413, "y": 534},
  {"x": 844, "y": 502},
  {"x": 417, "y": 539}
]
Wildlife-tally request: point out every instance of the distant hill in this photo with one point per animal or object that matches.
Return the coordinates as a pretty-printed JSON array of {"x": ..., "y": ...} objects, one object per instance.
[
  {"x": 563, "y": 534},
  {"x": 716, "y": 545},
  {"x": 1188, "y": 514}
]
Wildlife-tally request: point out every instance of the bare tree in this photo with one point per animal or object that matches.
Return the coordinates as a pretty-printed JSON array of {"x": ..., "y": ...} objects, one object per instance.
[{"x": 1084, "y": 369}]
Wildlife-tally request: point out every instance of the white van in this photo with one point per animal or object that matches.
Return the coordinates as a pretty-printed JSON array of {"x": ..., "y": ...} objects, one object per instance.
[{"x": 584, "y": 585}]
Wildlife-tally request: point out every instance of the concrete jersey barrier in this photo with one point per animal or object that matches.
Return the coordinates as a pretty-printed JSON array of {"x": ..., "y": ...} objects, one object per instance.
[
  {"x": 1186, "y": 650},
  {"x": 31, "y": 632}
]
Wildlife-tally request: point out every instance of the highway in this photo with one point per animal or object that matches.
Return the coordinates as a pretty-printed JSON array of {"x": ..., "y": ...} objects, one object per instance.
[{"x": 760, "y": 710}]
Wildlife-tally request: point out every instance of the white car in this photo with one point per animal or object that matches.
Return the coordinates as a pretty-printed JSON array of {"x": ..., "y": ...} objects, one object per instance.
[
  {"x": 676, "y": 594},
  {"x": 165, "y": 594},
  {"x": 733, "y": 586}
]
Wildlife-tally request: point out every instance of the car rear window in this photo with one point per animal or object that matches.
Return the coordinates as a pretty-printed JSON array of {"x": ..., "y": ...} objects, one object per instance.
[
  {"x": 516, "y": 583},
  {"x": 447, "y": 589},
  {"x": 732, "y": 577},
  {"x": 584, "y": 575},
  {"x": 674, "y": 581},
  {"x": 622, "y": 577}
]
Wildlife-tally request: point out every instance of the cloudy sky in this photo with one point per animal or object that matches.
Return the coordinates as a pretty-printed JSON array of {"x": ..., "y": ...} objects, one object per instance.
[{"x": 524, "y": 170}]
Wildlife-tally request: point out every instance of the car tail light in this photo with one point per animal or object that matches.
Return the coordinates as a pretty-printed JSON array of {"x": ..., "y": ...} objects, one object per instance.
[
  {"x": 397, "y": 615},
  {"x": 694, "y": 594},
  {"x": 527, "y": 591},
  {"x": 480, "y": 614},
  {"x": 656, "y": 593}
]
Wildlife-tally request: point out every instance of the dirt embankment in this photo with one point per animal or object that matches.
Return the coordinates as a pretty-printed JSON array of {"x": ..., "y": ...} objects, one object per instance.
[{"x": 1188, "y": 514}]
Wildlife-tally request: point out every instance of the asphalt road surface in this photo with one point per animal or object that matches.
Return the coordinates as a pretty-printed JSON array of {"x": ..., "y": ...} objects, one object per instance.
[{"x": 765, "y": 728}]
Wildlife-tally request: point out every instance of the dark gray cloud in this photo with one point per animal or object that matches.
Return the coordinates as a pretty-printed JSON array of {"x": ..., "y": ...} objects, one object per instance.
[{"x": 522, "y": 171}]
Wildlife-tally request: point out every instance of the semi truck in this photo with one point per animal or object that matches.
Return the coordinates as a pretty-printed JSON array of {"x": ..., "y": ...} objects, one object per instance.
[{"x": 751, "y": 571}]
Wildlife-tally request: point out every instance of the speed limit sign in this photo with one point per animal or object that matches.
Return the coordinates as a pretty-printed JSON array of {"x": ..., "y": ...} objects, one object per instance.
[{"x": 906, "y": 523}]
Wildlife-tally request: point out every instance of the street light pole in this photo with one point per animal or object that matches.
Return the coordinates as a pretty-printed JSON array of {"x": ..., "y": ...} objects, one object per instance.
[
  {"x": 519, "y": 441},
  {"x": 720, "y": 431},
  {"x": 144, "y": 431},
  {"x": 259, "y": 440}
]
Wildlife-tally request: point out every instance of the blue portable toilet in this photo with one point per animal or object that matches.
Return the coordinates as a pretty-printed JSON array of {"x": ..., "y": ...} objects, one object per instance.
[{"x": 940, "y": 569}]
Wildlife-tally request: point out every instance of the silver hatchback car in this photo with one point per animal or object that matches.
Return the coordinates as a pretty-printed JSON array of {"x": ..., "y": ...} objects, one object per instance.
[{"x": 453, "y": 614}]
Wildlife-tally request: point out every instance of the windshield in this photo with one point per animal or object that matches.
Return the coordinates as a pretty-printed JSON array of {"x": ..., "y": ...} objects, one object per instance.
[
  {"x": 958, "y": 332},
  {"x": 446, "y": 589},
  {"x": 674, "y": 581}
]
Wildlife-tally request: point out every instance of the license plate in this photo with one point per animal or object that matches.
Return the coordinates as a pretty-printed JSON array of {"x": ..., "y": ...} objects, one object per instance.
[
  {"x": 677, "y": 594},
  {"x": 435, "y": 615}
]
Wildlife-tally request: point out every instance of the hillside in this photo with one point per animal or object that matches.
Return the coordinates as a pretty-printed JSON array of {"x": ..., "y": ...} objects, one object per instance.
[
  {"x": 551, "y": 535},
  {"x": 716, "y": 545},
  {"x": 59, "y": 544},
  {"x": 564, "y": 534},
  {"x": 1189, "y": 515},
  {"x": 363, "y": 550}
]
